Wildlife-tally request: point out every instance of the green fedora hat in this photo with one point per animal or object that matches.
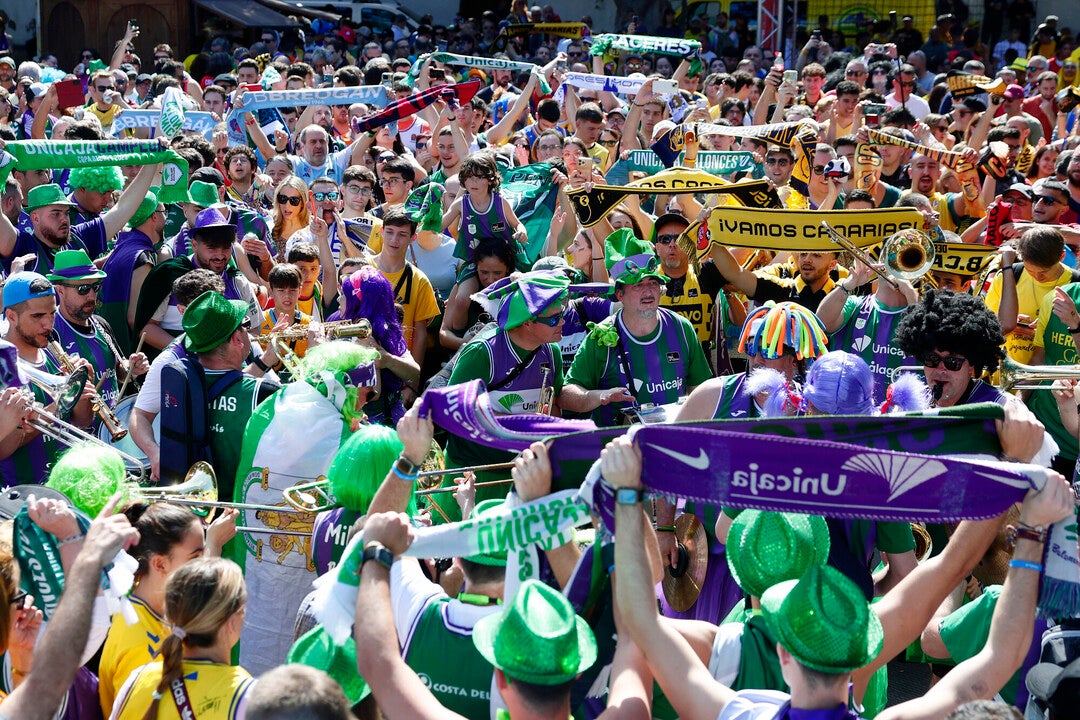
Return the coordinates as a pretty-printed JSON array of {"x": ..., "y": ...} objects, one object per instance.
[
  {"x": 823, "y": 620},
  {"x": 766, "y": 548},
  {"x": 74, "y": 265},
  {"x": 317, "y": 649},
  {"x": 629, "y": 259},
  {"x": 538, "y": 638},
  {"x": 210, "y": 320},
  {"x": 44, "y": 195}
]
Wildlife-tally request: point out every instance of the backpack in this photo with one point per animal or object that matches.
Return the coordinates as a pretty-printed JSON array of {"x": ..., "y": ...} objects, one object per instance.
[
  {"x": 185, "y": 416},
  {"x": 1018, "y": 268}
]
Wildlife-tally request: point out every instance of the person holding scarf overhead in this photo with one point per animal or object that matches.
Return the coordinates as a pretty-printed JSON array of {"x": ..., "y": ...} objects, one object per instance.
[
  {"x": 516, "y": 361},
  {"x": 642, "y": 354}
]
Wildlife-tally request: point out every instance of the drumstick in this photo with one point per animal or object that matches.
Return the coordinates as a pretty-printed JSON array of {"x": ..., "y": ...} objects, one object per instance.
[{"x": 138, "y": 349}]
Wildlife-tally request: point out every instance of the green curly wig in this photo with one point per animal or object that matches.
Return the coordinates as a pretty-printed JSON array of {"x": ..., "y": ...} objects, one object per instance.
[
  {"x": 338, "y": 357},
  {"x": 96, "y": 179},
  {"x": 361, "y": 464},
  {"x": 89, "y": 474}
]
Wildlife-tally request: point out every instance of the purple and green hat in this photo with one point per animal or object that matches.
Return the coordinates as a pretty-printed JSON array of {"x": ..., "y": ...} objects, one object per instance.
[
  {"x": 74, "y": 265},
  {"x": 527, "y": 296},
  {"x": 629, "y": 259}
]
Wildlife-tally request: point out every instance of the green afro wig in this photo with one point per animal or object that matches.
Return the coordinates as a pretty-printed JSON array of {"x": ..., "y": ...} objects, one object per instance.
[
  {"x": 89, "y": 474},
  {"x": 97, "y": 179},
  {"x": 361, "y": 464}
]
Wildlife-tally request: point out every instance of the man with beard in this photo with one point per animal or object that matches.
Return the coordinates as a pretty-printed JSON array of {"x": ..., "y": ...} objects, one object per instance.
[
  {"x": 83, "y": 334},
  {"x": 314, "y": 159},
  {"x": 30, "y": 310},
  {"x": 953, "y": 208},
  {"x": 52, "y": 230},
  {"x": 241, "y": 167},
  {"x": 813, "y": 282},
  {"x": 642, "y": 354},
  {"x": 212, "y": 245},
  {"x": 1069, "y": 165}
]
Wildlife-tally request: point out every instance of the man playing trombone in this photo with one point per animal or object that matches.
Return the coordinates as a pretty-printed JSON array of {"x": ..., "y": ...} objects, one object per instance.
[{"x": 30, "y": 309}]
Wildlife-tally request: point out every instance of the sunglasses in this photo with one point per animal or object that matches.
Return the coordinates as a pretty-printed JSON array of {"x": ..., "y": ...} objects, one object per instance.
[
  {"x": 105, "y": 88},
  {"x": 324, "y": 196},
  {"x": 852, "y": 73},
  {"x": 161, "y": 57},
  {"x": 85, "y": 288},
  {"x": 952, "y": 363},
  {"x": 819, "y": 169},
  {"x": 1045, "y": 199},
  {"x": 609, "y": 143},
  {"x": 549, "y": 320},
  {"x": 777, "y": 161},
  {"x": 666, "y": 239},
  {"x": 385, "y": 158},
  {"x": 361, "y": 191},
  {"x": 19, "y": 598},
  {"x": 290, "y": 199}
]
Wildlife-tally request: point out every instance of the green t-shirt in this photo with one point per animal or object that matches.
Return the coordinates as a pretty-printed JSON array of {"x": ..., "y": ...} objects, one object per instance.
[
  {"x": 229, "y": 414},
  {"x": 1052, "y": 335},
  {"x": 966, "y": 630},
  {"x": 654, "y": 361}
]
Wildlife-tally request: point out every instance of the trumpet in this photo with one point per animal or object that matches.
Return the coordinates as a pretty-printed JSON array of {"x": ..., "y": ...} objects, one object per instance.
[
  {"x": 1018, "y": 376},
  {"x": 333, "y": 331},
  {"x": 908, "y": 254},
  {"x": 101, "y": 408},
  {"x": 66, "y": 392}
]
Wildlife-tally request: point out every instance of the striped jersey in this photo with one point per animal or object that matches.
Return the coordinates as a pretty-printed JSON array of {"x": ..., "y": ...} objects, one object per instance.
[{"x": 868, "y": 331}]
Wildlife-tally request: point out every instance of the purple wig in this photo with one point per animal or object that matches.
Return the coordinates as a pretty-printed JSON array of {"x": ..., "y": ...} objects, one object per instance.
[
  {"x": 840, "y": 383},
  {"x": 368, "y": 294}
]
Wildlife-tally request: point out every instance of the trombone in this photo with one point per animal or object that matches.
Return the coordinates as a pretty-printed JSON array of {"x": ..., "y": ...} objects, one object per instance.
[
  {"x": 333, "y": 331},
  {"x": 1018, "y": 376},
  {"x": 101, "y": 408},
  {"x": 908, "y": 254},
  {"x": 199, "y": 490},
  {"x": 66, "y": 392}
]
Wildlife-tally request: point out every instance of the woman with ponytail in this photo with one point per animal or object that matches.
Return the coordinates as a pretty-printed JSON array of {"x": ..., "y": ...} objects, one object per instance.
[
  {"x": 169, "y": 537},
  {"x": 204, "y": 604}
]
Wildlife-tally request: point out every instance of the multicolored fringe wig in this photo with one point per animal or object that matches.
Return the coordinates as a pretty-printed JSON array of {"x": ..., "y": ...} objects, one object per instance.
[{"x": 774, "y": 326}]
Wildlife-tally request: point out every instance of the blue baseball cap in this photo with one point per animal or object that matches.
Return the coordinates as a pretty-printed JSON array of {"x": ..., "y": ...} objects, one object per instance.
[{"x": 18, "y": 288}]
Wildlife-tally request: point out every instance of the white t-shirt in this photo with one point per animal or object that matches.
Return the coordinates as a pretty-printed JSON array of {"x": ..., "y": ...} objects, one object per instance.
[{"x": 915, "y": 105}]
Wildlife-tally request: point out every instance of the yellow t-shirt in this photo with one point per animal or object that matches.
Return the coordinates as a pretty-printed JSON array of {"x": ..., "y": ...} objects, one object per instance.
[
  {"x": 128, "y": 647},
  {"x": 599, "y": 153},
  {"x": 1029, "y": 297},
  {"x": 271, "y": 318},
  {"x": 106, "y": 117},
  {"x": 416, "y": 298},
  {"x": 216, "y": 692}
]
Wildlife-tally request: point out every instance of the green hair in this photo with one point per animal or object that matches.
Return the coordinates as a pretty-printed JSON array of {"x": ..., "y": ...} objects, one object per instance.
[
  {"x": 89, "y": 474},
  {"x": 337, "y": 356},
  {"x": 361, "y": 464},
  {"x": 96, "y": 179}
]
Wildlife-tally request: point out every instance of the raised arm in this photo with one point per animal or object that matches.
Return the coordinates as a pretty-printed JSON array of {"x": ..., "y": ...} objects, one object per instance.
[
  {"x": 685, "y": 679},
  {"x": 398, "y": 690},
  {"x": 501, "y": 131},
  {"x": 981, "y": 676}
]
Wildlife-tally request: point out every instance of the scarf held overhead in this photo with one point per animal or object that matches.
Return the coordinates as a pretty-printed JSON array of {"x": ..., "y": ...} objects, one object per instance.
[
  {"x": 200, "y": 122},
  {"x": 267, "y": 99},
  {"x": 56, "y": 154},
  {"x": 461, "y": 93},
  {"x": 592, "y": 206},
  {"x": 676, "y": 47}
]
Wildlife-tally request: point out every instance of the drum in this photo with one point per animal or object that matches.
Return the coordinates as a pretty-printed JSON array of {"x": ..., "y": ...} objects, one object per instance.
[{"x": 126, "y": 444}]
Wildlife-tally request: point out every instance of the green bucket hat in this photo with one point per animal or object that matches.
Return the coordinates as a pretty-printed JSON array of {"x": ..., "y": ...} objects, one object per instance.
[
  {"x": 630, "y": 260},
  {"x": 44, "y": 195},
  {"x": 317, "y": 649},
  {"x": 766, "y": 548},
  {"x": 496, "y": 559},
  {"x": 203, "y": 194},
  {"x": 74, "y": 265},
  {"x": 210, "y": 320},
  {"x": 823, "y": 620},
  {"x": 538, "y": 638},
  {"x": 146, "y": 209}
]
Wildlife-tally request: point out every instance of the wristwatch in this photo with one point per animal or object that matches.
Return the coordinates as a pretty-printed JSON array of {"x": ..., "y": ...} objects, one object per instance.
[
  {"x": 405, "y": 466},
  {"x": 379, "y": 553},
  {"x": 629, "y": 496}
]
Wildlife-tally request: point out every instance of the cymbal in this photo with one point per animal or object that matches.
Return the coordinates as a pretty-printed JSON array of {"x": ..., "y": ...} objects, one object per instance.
[{"x": 682, "y": 584}]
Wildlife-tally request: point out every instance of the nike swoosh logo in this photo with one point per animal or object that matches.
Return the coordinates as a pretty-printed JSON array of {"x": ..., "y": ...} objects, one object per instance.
[{"x": 701, "y": 462}]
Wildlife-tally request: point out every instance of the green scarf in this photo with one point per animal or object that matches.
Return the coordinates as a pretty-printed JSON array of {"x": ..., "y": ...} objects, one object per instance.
[
  {"x": 473, "y": 61},
  {"x": 56, "y": 154},
  {"x": 38, "y": 555},
  {"x": 424, "y": 207}
]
